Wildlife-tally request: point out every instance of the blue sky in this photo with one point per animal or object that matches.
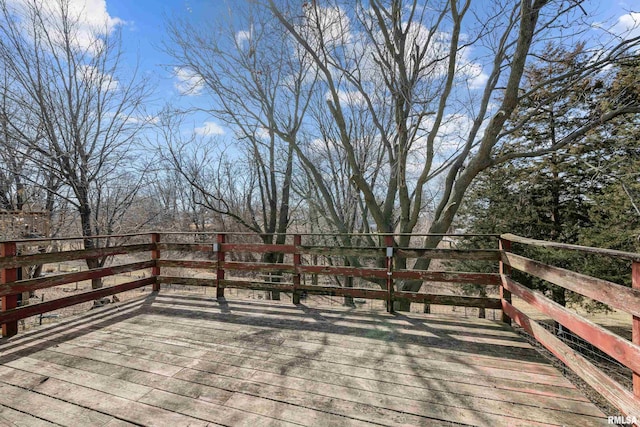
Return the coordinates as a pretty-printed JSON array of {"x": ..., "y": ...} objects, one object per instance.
[
  {"x": 143, "y": 35},
  {"x": 143, "y": 25}
]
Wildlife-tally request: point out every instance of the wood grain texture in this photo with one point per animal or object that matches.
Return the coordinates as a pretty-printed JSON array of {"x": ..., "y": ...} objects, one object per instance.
[
  {"x": 615, "y": 346},
  {"x": 177, "y": 360},
  {"x": 616, "y": 296},
  {"x": 9, "y": 300},
  {"x": 615, "y": 393},
  {"x": 54, "y": 257},
  {"x": 61, "y": 279},
  {"x": 372, "y": 252},
  {"x": 44, "y": 307},
  {"x": 631, "y": 256}
]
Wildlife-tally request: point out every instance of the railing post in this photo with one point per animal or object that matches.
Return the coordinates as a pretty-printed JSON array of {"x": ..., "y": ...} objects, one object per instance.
[
  {"x": 155, "y": 255},
  {"x": 8, "y": 249},
  {"x": 635, "y": 283},
  {"x": 505, "y": 295},
  {"x": 297, "y": 260},
  {"x": 220, "y": 239},
  {"x": 388, "y": 240}
]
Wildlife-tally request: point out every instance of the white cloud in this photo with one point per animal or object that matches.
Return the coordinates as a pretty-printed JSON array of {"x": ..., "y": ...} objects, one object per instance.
[
  {"x": 476, "y": 77},
  {"x": 628, "y": 25},
  {"x": 92, "y": 76},
  {"x": 263, "y": 133},
  {"x": 143, "y": 119},
  {"x": 188, "y": 82},
  {"x": 329, "y": 24},
  {"x": 451, "y": 137},
  {"x": 209, "y": 129},
  {"x": 93, "y": 13},
  {"x": 92, "y": 18},
  {"x": 479, "y": 81},
  {"x": 242, "y": 37},
  {"x": 348, "y": 97},
  {"x": 357, "y": 52}
]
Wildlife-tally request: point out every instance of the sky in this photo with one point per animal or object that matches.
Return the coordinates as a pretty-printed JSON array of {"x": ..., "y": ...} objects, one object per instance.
[{"x": 143, "y": 26}]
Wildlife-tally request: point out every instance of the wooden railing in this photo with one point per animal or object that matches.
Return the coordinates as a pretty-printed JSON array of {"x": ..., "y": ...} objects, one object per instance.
[
  {"x": 296, "y": 269},
  {"x": 385, "y": 274},
  {"x": 163, "y": 252},
  {"x": 615, "y": 296},
  {"x": 11, "y": 287}
]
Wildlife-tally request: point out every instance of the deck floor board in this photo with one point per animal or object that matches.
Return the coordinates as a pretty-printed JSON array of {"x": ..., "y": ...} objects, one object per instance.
[{"x": 191, "y": 360}]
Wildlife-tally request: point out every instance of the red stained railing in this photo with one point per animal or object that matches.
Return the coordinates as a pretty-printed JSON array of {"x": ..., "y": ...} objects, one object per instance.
[{"x": 223, "y": 267}]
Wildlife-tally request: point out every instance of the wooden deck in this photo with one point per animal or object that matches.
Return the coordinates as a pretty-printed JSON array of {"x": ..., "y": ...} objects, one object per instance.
[{"x": 178, "y": 360}]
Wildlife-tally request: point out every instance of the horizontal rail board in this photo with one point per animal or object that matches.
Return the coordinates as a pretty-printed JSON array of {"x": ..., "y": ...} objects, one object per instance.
[
  {"x": 455, "y": 300},
  {"x": 374, "y": 235},
  {"x": 257, "y": 247},
  {"x": 63, "y": 239},
  {"x": 631, "y": 256},
  {"x": 379, "y": 294},
  {"x": 185, "y": 247},
  {"x": 227, "y": 265},
  {"x": 270, "y": 286},
  {"x": 368, "y": 252},
  {"x": 337, "y": 291},
  {"x": 257, "y": 266},
  {"x": 617, "y": 347},
  {"x": 489, "y": 279},
  {"x": 189, "y": 281},
  {"x": 450, "y": 300},
  {"x": 227, "y": 283},
  {"x": 468, "y": 254},
  {"x": 617, "y": 296},
  {"x": 262, "y": 286},
  {"x": 56, "y": 304},
  {"x": 205, "y": 265},
  {"x": 52, "y": 257},
  {"x": 343, "y": 271},
  {"x": 20, "y": 286},
  {"x": 615, "y": 393},
  {"x": 260, "y": 248}
]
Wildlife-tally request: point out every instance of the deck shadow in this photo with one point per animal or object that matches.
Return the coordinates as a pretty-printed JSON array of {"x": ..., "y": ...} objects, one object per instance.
[
  {"x": 84, "y": 325},
  {"x": 441, "y": 339}
]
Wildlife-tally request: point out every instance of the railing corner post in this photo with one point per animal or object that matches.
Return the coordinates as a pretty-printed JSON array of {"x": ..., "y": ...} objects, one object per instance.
[
  {"x": 297, "y": 260},
  {"x": 8, "y": 249},
  {"x": 635, "y": 283},
  {"x": 505, "y": 270},
  {"x": 220, "y": 239},
  {"x": 155, "y": 255}
]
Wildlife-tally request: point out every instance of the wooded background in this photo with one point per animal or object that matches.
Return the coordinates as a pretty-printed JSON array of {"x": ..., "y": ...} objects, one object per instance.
[{"x": 397, "y": 116}]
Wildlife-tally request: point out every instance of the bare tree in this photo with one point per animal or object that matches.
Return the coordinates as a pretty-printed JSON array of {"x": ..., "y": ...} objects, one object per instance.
[
  {"x": 83, "y": 117},
  {"x": 440, "y": 80},
  {"x": 24, "y": 186},
  {"x": 14, "y": 191},
  {"x": 259, "y": 90}
]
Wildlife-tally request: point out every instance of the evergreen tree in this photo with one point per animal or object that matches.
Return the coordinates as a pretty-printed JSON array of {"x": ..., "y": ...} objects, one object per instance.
[
  {"x": 615, "y": 210},
  {"x": 584, "y": 194}
]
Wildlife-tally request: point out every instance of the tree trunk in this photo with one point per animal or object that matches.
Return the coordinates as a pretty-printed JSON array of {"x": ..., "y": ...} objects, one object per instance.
[
  {"x": 405, "y": 285},
  {"x": 89, "y": 243},
  {"x": 402, "y": 305},
  {"x": 348, "y": 283}
]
